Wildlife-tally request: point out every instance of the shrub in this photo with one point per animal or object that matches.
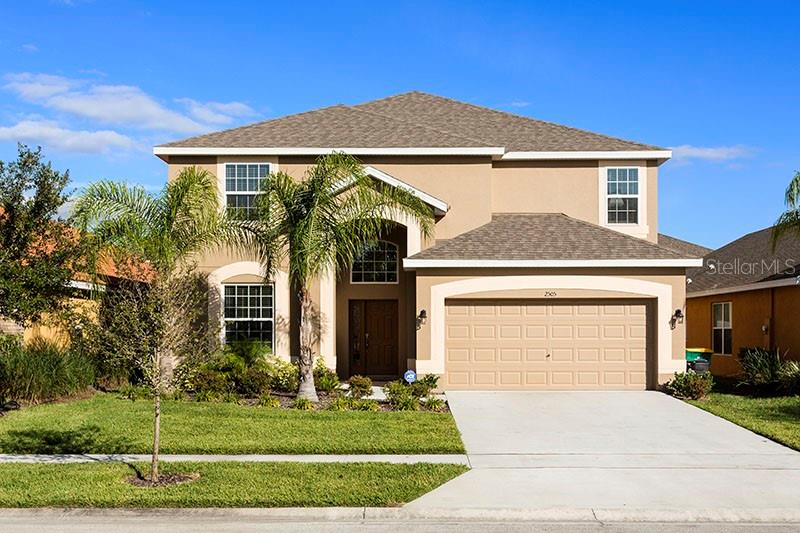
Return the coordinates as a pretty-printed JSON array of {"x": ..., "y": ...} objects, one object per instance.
[
  {"x": 283, "y": 375},
  {"x": 689, "y": 385},
  {"x": 325, "y": 379},
  {"x": 177, "y": 395},
  {"x": 434, "y": 403},
  {"x": 230, "y": 397},
  {"x": 41, "y": 370},
  {"x": 205, "y": 396},
  {"x": 254, "y": 381},
  {"x": 790, "y": 377},
  {"x": 340, "y": 404},
  {"x": 303, "y": 404},
  {"x": 268, "y": 400},
  {"x": 761, "y": 368},
  {"x": 401, "y": 396},
  {"x": 135, "y": 392},
  {"x": 360, "y": 386},
  {"x": 365, "y": 405},
  {"x": 209, "y": 379},
  {"x": 431, "y": 380}
]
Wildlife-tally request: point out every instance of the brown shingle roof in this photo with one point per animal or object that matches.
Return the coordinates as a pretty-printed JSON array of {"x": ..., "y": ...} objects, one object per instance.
[
  {"x": 498, "y": 128},
  {"x": 686, "y": 248},
  {"x": 410, "y": 120},
  {"x": 544, "y": 236},
  {"x": 337, "y": 126},
  {"x": 747, "y": 260}
]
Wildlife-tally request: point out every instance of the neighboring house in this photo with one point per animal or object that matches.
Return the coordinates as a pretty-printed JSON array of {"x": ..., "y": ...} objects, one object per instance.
[
  {"x": 545, "y": 270},
  {"x": 746, "y": 295}
]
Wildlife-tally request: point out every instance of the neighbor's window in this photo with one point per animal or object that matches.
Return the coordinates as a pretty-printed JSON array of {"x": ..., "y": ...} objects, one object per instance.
[
  {"x": 721, "y": 330},
  {"x": 243, "y": 182},
  {"x": 249, "y": 312},
  {"x": 623, "y": 195},
  {"x": 376, "y": 264}
]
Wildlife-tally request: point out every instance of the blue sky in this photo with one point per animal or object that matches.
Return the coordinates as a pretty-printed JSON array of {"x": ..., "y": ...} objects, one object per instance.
[{"x": 99, "y": 83}]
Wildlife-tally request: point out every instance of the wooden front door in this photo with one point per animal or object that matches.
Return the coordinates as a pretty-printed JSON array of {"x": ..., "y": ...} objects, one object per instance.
[{"x": 373, "y": 337}]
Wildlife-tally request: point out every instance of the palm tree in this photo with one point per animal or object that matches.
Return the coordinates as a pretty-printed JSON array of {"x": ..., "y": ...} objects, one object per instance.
[
  {"x": 162, "y": 233},
  {"x": 789, "y": 221},
  {"x": 322, "y": 223}
]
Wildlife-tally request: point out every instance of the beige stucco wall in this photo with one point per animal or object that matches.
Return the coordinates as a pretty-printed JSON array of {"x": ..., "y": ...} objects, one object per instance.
[{"x": 671, "y": 281}]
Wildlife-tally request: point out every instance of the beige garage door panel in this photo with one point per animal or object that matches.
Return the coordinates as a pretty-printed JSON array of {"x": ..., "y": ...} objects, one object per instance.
[{"x": 545, "y": 345}]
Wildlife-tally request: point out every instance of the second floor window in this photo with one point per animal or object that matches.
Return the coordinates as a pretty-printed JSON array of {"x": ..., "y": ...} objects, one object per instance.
[
  {"x": 623, "y": 195},
  {"x": 243, "y": 182},
  {"x": 376, "y": 264}
]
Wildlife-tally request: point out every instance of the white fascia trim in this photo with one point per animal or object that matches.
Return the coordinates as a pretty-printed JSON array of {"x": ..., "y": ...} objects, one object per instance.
[
  {"x": 186, "y": 150},
  {"x": 411, "y": 264},
  {"x": 787, "y": 282},
  {"x": 434, "y": 202},
  {"x": 631, "y": 154}
]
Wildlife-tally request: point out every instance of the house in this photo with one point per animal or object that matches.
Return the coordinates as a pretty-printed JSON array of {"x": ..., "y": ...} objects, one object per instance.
[
  {"x": 545, "y": 271},
  {"x": 746, "y": 295}
]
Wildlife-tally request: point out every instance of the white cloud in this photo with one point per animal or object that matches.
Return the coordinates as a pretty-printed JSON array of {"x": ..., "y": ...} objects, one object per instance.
[
  {"x": 36, "y": 87},
  {"x": 687, "y": 152},
  {"x": 519, "y": 103},
  {"x": 216, "y": 112},
  {"x": 50, "y": 134},
  {"x": 30, "y": 48},
  {"x": 125, "y": 106}
]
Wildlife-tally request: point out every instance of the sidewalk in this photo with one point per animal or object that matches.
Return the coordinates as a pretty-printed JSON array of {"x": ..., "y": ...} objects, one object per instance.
[{"x": 131, "y": 458}]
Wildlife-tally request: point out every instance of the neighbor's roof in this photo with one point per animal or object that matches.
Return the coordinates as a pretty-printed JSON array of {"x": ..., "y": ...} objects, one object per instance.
[
  {"x": 544, "y": 237},
  {"x": 748, "y": 260},
  {"x": 411, "y": 120},
  {"x": 689, "y": 249}
]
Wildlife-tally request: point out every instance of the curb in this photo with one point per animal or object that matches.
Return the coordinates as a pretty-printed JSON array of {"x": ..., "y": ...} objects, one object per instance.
[
  {"x": 245, "y": 458},
  {"x": 378, "y": 514}
]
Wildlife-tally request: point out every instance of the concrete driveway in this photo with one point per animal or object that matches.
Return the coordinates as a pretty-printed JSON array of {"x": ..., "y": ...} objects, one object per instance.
[{"x": 619, "y": 455}]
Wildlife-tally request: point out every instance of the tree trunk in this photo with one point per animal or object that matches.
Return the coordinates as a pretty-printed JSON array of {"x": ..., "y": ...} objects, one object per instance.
[
  {"x": 306, "y": 359},
  {"x": 156, "y": 434}
]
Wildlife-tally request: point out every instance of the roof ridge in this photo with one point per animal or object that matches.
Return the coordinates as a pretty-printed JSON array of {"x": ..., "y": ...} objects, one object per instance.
[
  {"x": 437, "y": 130},
  {"x": 516, "y": 116}
]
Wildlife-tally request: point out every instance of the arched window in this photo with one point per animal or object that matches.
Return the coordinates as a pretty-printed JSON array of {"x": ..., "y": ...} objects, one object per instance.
[{"x": 376, "y": 264}]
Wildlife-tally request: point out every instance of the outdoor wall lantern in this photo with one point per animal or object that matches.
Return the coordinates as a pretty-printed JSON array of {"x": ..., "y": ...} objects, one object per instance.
[
  {"x": 677, "y": 318},
  {"x": 422, "y": 318}
]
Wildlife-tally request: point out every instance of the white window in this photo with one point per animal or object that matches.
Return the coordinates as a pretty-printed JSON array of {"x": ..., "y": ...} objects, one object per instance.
[
  {"x": 376, "y": 264},
  {"x": 249, "y": 310},
  {"x": 243, "y": 183},
  {"x": 721, "y": 328},
  {"x": 622, "y": 195}
]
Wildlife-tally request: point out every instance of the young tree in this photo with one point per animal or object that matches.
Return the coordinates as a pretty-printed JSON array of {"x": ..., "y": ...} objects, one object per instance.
[
  {"x": 38, "y": 252},
  {"x": 322, "y": 223},
  {"x": 789, "y": 221},
  {"x": 161, "y": 234}
]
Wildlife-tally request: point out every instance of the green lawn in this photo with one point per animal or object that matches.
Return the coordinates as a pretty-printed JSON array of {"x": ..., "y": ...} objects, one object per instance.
[
  {"x": 222, "y": 485},
  {"x": 774, "y": 418},
  {"x": 108, "y": 424}
]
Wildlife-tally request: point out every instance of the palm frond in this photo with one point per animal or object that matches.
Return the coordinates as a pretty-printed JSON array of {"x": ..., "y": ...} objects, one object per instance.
[{"x": 789, "y": 221}]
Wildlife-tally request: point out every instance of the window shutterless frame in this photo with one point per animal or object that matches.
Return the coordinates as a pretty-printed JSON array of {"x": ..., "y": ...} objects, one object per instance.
[
  {"x": 243, "y": 182},
  {"x": 622, "y": 195},
  {"x": 377, "y": 265},
  {"x": 722, "y": 328},
  {"x": 249, "y": 312}
]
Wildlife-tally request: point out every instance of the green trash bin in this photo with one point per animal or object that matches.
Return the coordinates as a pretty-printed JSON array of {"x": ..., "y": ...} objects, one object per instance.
[{"x": 698, "y": 359}]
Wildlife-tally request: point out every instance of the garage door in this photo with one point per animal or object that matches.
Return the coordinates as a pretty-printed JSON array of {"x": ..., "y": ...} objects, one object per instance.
[{"x": 531, "y": 344}]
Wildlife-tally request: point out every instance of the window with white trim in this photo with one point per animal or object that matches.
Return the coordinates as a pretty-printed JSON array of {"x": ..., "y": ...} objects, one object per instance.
[
  {"x": 249, "y": 311},
  {"x": 622, "y": 195},
  {"x": 721, "y": 328},
  {"x": 376, "y": 264},
  {"x": 243, "y": 183}
]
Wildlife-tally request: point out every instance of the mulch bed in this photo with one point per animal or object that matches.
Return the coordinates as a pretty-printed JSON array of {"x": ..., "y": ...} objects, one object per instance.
[{"x": 164, "y": 480}]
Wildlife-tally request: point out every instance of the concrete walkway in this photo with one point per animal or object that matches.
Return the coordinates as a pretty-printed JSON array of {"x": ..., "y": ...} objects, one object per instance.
[
  {"x": 630, "y": 455},
  {"x": 132, "y": 458}
]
